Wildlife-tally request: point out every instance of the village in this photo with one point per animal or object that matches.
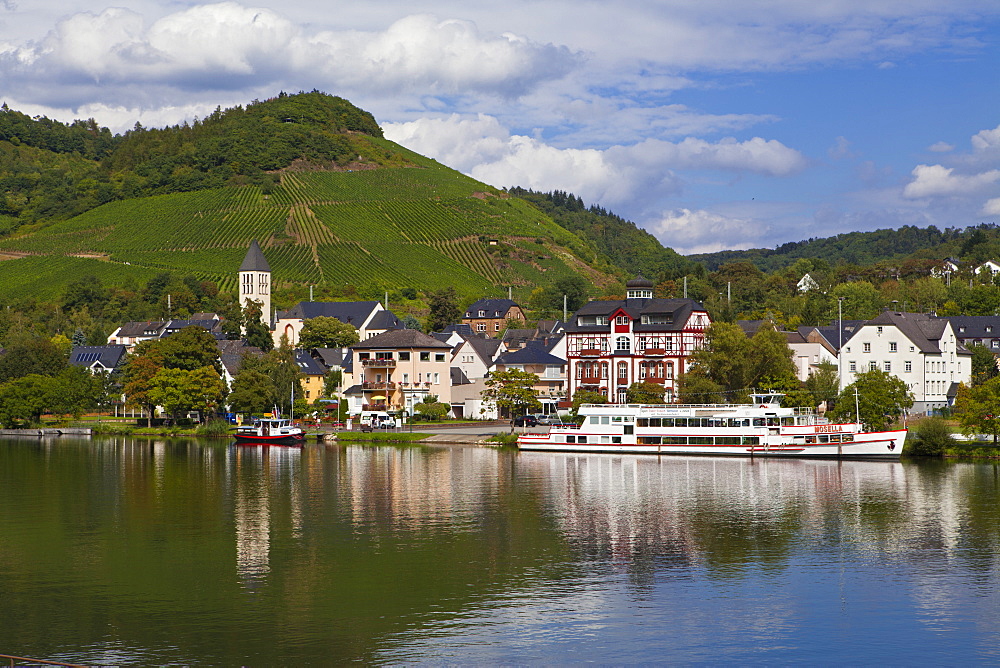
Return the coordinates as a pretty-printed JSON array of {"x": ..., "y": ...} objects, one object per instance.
[{"x": 603, "y": 349}]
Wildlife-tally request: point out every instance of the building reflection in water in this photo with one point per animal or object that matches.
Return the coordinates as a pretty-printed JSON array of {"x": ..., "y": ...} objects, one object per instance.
[{"x": 260, "y": 473}]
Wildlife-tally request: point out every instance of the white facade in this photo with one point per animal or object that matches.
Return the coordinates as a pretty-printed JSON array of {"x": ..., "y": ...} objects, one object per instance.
[{"x": 927, "y": 364}]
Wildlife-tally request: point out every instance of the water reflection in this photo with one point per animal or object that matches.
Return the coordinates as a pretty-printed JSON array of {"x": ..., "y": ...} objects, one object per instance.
[{"x": 186, "y": 552}]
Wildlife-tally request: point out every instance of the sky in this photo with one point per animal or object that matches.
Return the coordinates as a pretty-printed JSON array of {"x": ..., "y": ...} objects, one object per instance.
[{"x": 713, "y": 124}]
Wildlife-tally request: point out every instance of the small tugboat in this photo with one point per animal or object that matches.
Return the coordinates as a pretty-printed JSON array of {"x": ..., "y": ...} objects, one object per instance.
[
  {"x": 760, "y": 429},
  {"x": 270, "y": 431}
]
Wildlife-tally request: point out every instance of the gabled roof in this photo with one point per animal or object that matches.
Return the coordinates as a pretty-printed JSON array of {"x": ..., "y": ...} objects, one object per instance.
[
  {"x": 352, "y": 313},
  {"x": 385, "y": 320},
  {"x": 635, "y": 309},
  {"x": 231, "y": 354},
  {"x": 401, "y": 338},
  {"x": 108, "y": 357},
  {"x": 329, "y": 357},
  {"x": 307, "y": 364},
  {"x": 255, "y": 260},
  {"x": 974, "y": 326},
  {"x": 140, "y": 328},
  {"x": 832, "y": 333},
  {"x": 493, "y": 308},
  {"x": 458, "y": 376},
  {"x": 533, "y": 353},
  {"x": 485, "y": 348},
  {"x": 921, "y": 329}
]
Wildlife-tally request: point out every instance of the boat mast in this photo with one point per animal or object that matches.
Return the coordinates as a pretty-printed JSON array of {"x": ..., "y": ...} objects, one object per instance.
[{"x": 857, "y": 404}]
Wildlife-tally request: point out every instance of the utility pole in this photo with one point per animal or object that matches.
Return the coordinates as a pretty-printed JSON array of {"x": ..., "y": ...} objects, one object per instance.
[{"x": 685, "y": 287}]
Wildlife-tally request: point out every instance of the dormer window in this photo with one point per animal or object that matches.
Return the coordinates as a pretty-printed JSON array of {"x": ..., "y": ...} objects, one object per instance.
[
  {"x": 989, "y": 328},
  {"x": 621, "y": 320},
  {"x": 657, "y": 319},
  {"x": 482, "y": 314}
]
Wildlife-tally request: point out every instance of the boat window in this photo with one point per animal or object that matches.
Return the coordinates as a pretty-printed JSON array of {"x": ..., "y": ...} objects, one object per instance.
[
  {"x": 605, "y": 439},
  {"x": 773, "y": 422},
  {"x": 810, "y": 439},
  {"x": 675, "y": 440},
  {"x": 848, "y": 438},
  {"x": 616, "y": 439},
  {"x": 629, "y": 418},
  {"x": 751, "y": 440},
  {"x": 654, "y": 422},
  {"x": 666, "y": 422},
  {"x": 716, "y": 422},
  {"x": 629, "y": 429},
  {"x": 581, "y": 439},
  {"x": 700, "y": 440},
  {"x": 788, "y": 421},
  {"x": 645, "y": 440},
  {"x": 571, "y": 438},
  {"x": 605, "y": 419},
  {"x": 616, "y": 418},
  {"x": 727, "y": 440},
  {"x": 595, "y": 420},
  {"x": 835, "y": 438},
  {"x": 824, "y": 438},
  {"x": 758, "y": 422},
  {"x": 643, "y": 422}
]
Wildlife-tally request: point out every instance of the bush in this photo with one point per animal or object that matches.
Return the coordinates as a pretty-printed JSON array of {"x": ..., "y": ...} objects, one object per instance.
[{"x": 929, "y": 438}]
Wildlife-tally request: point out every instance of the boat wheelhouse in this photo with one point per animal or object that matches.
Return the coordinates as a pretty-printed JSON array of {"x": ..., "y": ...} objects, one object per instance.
[{"x": 762, "y": 428}]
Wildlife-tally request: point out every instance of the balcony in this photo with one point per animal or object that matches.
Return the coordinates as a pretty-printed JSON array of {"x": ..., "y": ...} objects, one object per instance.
[
  {"x": 374, "y": 407},
  {"x": 590, "y": 352},
  {"x": 379, "y": 363},
  {"x": 366, "y": 385},
  {"x": 654, "y": 351}
]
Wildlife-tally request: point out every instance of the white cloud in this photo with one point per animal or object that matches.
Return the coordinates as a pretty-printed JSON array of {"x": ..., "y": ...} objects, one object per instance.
[
  {"x": 992, "y": 207},
  {"x": 942, "y": 147},
  {"x": 937, "y": 180},
  {"x": 986, "y": 140},
  {"x": 689, "y": 232},
  {"x": 482, "y": 147}
]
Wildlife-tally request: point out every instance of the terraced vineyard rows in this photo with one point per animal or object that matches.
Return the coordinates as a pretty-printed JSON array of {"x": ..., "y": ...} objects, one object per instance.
[{"x": 422, "y": 227}]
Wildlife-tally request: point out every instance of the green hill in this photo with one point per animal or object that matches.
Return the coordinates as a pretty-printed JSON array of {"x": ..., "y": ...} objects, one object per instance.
[{"x": 309, "y": 176}]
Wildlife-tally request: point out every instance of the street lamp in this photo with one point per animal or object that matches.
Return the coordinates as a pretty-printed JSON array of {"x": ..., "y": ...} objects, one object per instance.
[{"x": 840, "y": 344}]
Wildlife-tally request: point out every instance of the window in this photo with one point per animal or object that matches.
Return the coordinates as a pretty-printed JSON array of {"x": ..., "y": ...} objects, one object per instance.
[
  {"x": 404, "y": 357},
  {"x": 263, "y": 284},
  {"x": 406, "y": 379},
  {"x": 907, "y": 366},
  {"x": 437, "y": 379},
  {"x": 622, "y": 343},
  {"x": 438, "y": 357},
  {"x": 482, "y": 314},
  {"x": 887, "y": 367},
  {"x": 621, "y": 320},
  {"x": 853, "y": 367},
  {"x": 481, "y": 327},
  {"x": 878, "y": 330},
  {"x": 496, "y": 327},
  {"x": 866, "y": 347},
  {"x": 425, "y": 357},
  {"x": 892, "y": 346},
  {"x": 872, "y": 366},
  {"x": 247, "y": 284},
  {"x": 622, "y": 370}
]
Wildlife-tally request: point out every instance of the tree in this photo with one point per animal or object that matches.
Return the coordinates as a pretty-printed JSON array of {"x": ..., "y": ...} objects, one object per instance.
[
  {"x": 444, "y": 309},
  {"x": 27, "y": 356},
  {"x": 75, "y": 391},
  {"x": 513, "y": 391},
  {"x": 181, "y": 390},
  {"x": 430, "y": 408},
  {"x": 978, "y": 408},
  {"x": 644, "y": 393},
  {"x": 326, "y": 332},
  {"x": 737, "y": 364},
  {"x": 881, "y": 398},
  {"x": 694, "y": 387},
  {"x": 256, "y": 332},
  {"x": 823, "y": 383},
  {"x": 144, "y": 362},
  {"x": 581, "y": 397},
  {"x": 24, "y": 399},
  {"x": 189, "y": 349},
  {"x": 929, "y": 437},
  {"x": 253, "y": 390},
  {"x": 575, "y": 288},
  {"x": 984, "y": 364}
]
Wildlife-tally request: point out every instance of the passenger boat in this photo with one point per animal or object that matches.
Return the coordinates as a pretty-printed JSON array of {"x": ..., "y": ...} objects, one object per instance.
[
  {"x": 759, "y": 429},
  {"x": 270, "y": 431}
]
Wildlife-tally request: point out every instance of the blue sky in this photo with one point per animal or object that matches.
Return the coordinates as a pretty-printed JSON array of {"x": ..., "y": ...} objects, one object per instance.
[{"x": 714, "y": 124}]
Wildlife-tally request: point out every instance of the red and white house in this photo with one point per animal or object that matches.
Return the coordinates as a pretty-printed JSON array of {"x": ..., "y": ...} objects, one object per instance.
[{"x": 612, "y": 344}]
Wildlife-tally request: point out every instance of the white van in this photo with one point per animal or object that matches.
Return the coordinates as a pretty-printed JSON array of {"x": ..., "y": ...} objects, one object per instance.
[{"x": 376, "y": 420}]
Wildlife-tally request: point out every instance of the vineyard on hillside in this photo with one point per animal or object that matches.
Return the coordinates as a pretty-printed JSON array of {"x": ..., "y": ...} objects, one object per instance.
[{"x": 422, "y": 227}]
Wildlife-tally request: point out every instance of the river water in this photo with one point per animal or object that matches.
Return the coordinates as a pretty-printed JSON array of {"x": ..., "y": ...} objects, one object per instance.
[{"x": 132, "y": 551}]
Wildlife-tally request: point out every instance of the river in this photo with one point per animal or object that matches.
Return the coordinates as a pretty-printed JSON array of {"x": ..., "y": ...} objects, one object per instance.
[{"x": 137, "y": 551}]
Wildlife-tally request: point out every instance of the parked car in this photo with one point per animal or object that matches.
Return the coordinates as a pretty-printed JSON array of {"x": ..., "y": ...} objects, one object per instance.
[
  {"x": 525, "y": 421},
  {"x": 548, "y": 419}
]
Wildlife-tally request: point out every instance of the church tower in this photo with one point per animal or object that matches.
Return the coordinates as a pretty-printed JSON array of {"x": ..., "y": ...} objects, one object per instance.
[{"x": 255, "y": 281}]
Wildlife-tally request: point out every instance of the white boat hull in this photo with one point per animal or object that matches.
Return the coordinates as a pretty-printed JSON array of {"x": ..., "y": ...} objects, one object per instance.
[{"x": 874, "y": 445}]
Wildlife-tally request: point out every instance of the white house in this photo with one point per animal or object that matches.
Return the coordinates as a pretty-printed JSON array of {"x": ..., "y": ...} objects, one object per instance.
[
  {"x": 807, "y": 283},
  {"x": 918, "y": 348},
  {"x": 370, "y": 318},
  {"x": 989, "y": 267}
]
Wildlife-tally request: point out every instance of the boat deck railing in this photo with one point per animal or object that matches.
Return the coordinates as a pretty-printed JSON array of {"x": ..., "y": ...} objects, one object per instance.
[{"x": 799, "y": 410}]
